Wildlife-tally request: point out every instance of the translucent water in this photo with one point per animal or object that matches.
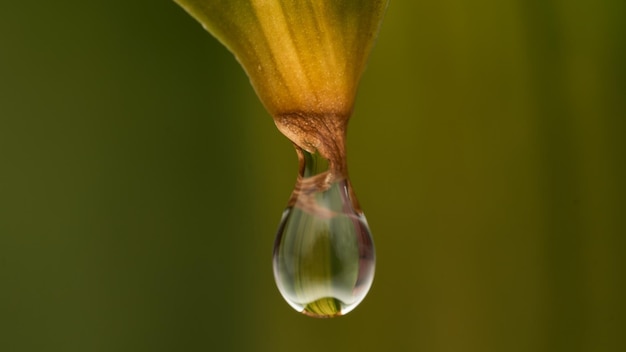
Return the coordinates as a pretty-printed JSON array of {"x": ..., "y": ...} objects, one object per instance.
[{"x": 324, "y": 256}]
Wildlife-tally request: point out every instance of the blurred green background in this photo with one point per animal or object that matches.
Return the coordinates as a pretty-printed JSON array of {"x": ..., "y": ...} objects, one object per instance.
[{"x": 141, "y": 182}]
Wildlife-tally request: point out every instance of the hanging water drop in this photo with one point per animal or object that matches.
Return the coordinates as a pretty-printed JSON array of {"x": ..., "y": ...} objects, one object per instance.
[{"x": 324, "y": 256}]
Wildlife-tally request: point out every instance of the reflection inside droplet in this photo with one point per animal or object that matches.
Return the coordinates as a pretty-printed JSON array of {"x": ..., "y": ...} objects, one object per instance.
[{"x": 324, "y": 255}]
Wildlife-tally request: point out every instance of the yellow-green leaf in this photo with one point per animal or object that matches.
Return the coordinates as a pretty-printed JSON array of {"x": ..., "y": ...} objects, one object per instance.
[{"x": 301, "y": 56}]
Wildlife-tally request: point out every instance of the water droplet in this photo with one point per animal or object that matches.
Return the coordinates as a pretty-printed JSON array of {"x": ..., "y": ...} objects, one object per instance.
[{"x": 324, "y": 255}]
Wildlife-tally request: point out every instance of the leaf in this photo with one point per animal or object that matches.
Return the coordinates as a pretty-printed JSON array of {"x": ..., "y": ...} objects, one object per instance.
[{"x": 301, "y": 56}]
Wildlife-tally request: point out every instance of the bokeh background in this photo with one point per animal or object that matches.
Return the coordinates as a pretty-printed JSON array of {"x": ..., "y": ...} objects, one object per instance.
[{"x": 141, "y": 182}]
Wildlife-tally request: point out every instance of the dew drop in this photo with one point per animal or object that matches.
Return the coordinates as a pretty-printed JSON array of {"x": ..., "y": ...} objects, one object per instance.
[{"x": 324, "y": 255}]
